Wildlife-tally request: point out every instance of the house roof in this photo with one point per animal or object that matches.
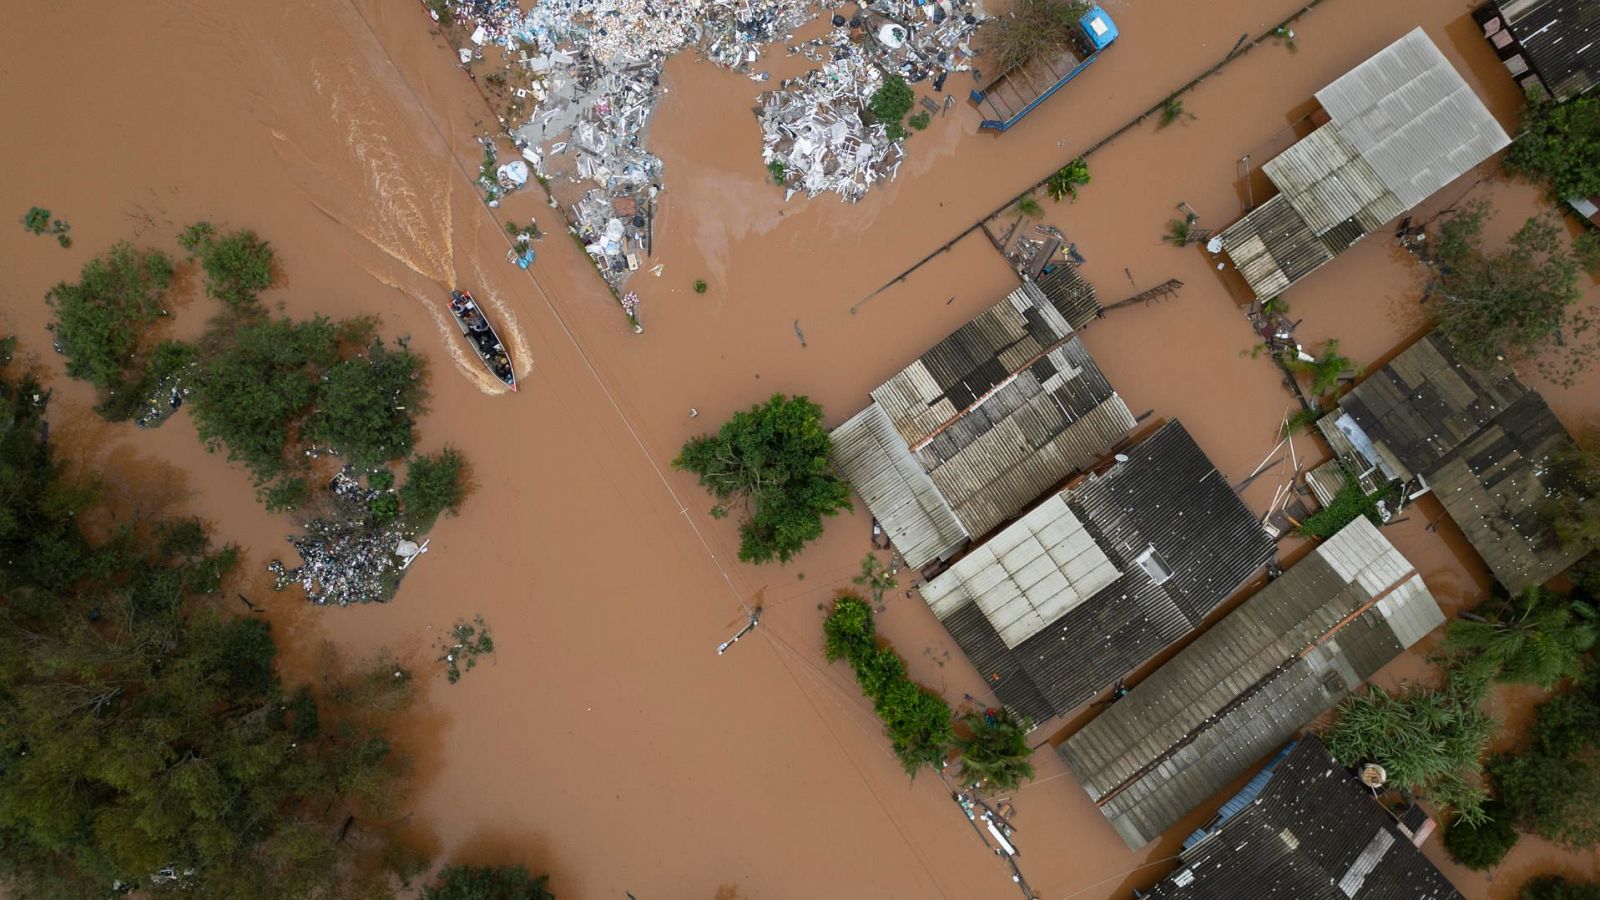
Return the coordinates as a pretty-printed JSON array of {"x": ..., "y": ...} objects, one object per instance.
[
  {"x": 1478, "y": 436},
  {"x": 1314, "y": 833},
  {"x": 1251, "y": 682},
  {"x": 1561, "y": 39},
  {"x": 1036, "y": 610},
  {"x": 1403, "y": 124},
  {"x": 977, "y": 427}
]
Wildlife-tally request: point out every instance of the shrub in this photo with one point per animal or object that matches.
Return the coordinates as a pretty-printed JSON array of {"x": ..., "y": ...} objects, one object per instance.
[
  {"x": 777, "y": 171},
  {"x": 1560, "y": 143},
  {"x": 365, "y": 405},
  {"x": 291, "y": 492},
  {"x": 435, "y": 484},
  {"x": 1029, "y": 30},
  {"x": 1351, "y": 501},
  {"x": 1066, "y": 181},
  {"x": 487, "y": 883},
  {"x": 1171, "y": 111},
  {"x": 102, "y": 319},
  {"x": 849, "y": 630},
  {"x": 775, "y": 458},
  {"x": 917, "y": 720},
  {"x": 238, "y": 265},
  {"x": 920, "y": 121},
  {"x": 1552, "y": 786},
  {"x": 1481, "y": 845},
  {"x": 1556, "y": 887},
  {"x": 891, "y": 101},
  {"x": 700, "y": 286},
  {"x": 1029, "y": 206}
]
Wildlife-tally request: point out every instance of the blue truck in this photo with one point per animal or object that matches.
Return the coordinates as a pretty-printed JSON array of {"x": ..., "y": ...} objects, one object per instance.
[{"x": 1014, "y": 94}]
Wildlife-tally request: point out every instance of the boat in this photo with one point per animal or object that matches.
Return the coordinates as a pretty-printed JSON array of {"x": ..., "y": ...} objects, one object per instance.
[{"x": 482, "y": 336}]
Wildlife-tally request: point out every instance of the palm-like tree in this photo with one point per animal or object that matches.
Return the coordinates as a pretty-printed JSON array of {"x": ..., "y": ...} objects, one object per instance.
[
  {"x": 997, "y": 751},
  {"x": 1537, "y": 638}
]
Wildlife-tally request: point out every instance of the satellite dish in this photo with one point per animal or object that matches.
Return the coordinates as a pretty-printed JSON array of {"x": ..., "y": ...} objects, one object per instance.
[{"x": 1373, "y": 775}]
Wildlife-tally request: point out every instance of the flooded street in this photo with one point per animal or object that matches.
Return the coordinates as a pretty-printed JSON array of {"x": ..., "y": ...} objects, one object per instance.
[{"x": 605, "y": 741}]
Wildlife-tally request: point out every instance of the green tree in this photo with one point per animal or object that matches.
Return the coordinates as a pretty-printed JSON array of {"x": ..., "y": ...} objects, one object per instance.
[
  {"x": 1483, "y": 844},
  {"x": 1556, "y": 887},
  {"x": 1518, "y": 301},
  {"x": 1551, "y": 786},
  {"x": 435, "y": 483},
  {"x": 365, "y": 405},
  {"x": 1326, "y": 369},
  {"x": 238, "y": 265},
  {"x": 144, "y": 736},
  {"x": 1571, "y": 504},
  {"x": 1539, "y": 638},
  {"x": 997, "y": 750},
  {"x": 256, "y": 382},
  {"x": 890, "y": 103},
  {"x": 848, "y": 632},
  {"x": 1560, "y": 143},
  {"x": 1430, "y": 740},
  {"x": 488, "y": 883},
  {"x": 1066, "y": 181},
  {"x": 774, "y": 457},
  {"x": 102, "y": 319},
  {"x": 1029, "y": 30}
]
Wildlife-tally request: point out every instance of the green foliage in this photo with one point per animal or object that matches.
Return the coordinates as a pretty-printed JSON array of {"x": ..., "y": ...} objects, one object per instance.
[
  {"x": 700, "y": 286},
  {"x": 1556, "y": 887},
  {"x": 141, "y": 729},
  {"x": 381, "y": 480},
  {"x": 287, "y": 493},
  {"x": 918, "y": 721},
  {"x": 777, "y": 171},
  {"x": 1552, "y": 785},
  {"x": 875, "y": 577},
  {"x": 1275, "y": 306},
  {"x": 1351, "y": 501},
  {"x": 257, "y": 381},
  {"x": 1302, "y": 419},
  {"x": 467, "y": 642},
  {"x": 1066, "y": 181},
  {"x": 435, "y": 483},
  {"x": 488, "y": 883},
  {"x": 1518, "y": 301},
  {"x": 774, "y": 457},
  {"x": 1178, "y": 231},
  {"x": 1560, "y": 143},
  {"x": 920, "y": 120},
  {"x": 1570, "y": 507},
  {"x": 1171, "y": 111},
  {"x": 1537, "y": 638},
  {"x": 1483, "y": 844},
  {"x": 238, "y": 265},
  {"x": 384, "y": 508},
  {"x": 997, "y": 751},
  {"x": 890, "y": 103},
  {"x": 36, "y": 220},
  {"x": 1029, "y": 30},
  {"x": 1430, "y": 741},
  {"x": 103, "y": 319},
  {"x": 1028, "y": 205},
  {"x": 1325, "y": 370},
  {"x": 365, "y": 405}
]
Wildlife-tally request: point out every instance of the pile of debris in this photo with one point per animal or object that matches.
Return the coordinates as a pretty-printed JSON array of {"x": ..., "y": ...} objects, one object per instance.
[{"x": 347, "y": 555}]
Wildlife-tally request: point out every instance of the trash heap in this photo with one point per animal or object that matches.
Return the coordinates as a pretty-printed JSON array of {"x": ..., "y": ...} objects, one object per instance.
[
  {"x": 346, "y": 556},
  {"x": 815, "y": 135}
]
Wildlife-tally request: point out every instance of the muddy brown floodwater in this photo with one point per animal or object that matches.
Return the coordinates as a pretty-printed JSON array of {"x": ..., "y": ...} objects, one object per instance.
[{"x": 605, "y": 741}]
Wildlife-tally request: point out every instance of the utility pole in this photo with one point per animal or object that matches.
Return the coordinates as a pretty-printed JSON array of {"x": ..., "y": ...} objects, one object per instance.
[{"x": 749, "y": 626}]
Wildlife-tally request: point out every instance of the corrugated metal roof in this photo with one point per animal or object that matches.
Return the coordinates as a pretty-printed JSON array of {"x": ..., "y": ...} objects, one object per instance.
[
  {"x": 1479, "y": 436},
  {"x": 1561, "y": 39},
  {"x": 1273, "y": 247},
  {"x": 1409, "y": 114},
  {"x": 870, "y": 455},
  {"x": 1328, "y": 182},
  {"x": 1251, "y": 681},
  {"x": 1072, "y": 296},
  {"x": 1166, "y": 495},
  {"x": 1315, "y": 833}
]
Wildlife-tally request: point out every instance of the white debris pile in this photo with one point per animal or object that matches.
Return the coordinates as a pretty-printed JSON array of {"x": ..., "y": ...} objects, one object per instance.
[
  {"x": 348, "y": 555},
  {"x": 814, "y": 137}
]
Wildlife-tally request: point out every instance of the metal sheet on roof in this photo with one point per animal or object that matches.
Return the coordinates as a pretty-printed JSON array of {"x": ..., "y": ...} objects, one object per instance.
[{"x": 870, "y": 455}]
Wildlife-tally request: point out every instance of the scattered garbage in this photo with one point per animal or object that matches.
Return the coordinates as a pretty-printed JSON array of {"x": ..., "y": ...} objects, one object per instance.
[{"x": 348, "y": 554}]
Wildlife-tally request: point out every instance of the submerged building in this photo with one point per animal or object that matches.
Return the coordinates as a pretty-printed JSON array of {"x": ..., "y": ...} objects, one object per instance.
[
  {"x": 1550, "y": 47},
  {"x": 979, "y": 426},
  {"x": 1397, "y": 128},
  {"x": 1308, "y": 830},
  {"x": 1099, "y": 577},
  {"x": 1251, "y": 682},
  {"x": 1480, "y": 439}
]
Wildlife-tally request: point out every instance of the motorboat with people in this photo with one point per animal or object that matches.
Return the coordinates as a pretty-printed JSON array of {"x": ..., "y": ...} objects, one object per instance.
[{"x": 482, "y": 336}]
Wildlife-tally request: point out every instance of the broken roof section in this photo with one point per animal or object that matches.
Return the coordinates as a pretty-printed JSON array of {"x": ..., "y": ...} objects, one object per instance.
[
  {"x": 977, "y": 427},
  {"x": 1314, "y": 833},
  {"x": 1402, "y": 125},
  {"x": 1479, "y": 437},
  {"x": 1560, "y": 39},
  {"x": 1251, "y": 682},
  {"x": 1097, "y": 579}
]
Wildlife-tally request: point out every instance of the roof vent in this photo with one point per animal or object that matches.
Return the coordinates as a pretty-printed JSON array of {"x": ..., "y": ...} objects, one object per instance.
[{"x": 1153, "y": 565}]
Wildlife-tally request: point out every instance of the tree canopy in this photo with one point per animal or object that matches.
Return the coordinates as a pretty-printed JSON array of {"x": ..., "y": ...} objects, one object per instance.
[
  {"x": 365, "y": 404},
  {"x": 145, "y": 738},
  {"x": 435, "y": 483},
  {"x": 1560, "y": 143},
  {"x": 238, "y": 265},
  {"x": 1482, "y": 844},
  {"x": 1551, "y": 786},
  {"x": 774, "y": 458},
  {"x": 1517, "y": 301},
  {"x": 1556, "y": 887},
  {"x": 1538, "y": 637},
  {"x": 1571, "y": 505},
  {"x": 488, "y": 883},
  {"x": 102, "y": 319},
  {"x": 997, "y": 749}
]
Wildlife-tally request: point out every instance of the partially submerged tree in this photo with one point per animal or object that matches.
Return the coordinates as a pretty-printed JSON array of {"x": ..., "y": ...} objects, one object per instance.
[
  {"x": 997, "y": 751},
  {"x": 488, "y": 883},
  {"x": 102, "y": 320},
  {"x": 1560, "y": 143},
  {"x": 1483, "y": 844},
  {"x": 435, "y": 483},
  {"x": 1429, "y": 740},
  {"x": 773, "y": 458},
  {"x": 1571, "y": 505},
  {"x": 1538, "y": 637},
  {"x": 238, "y": 265},
  {"x": 1557, "y": 887},
  {"x": 365, "y": 405},
  {"x": 1029, "y": 30},
  {"x": 1066, "y": 181},
  {"x": 1516, "y": 302},
  {"x": 890, "y": 103},
  {"x": 1551, "y": 786}
]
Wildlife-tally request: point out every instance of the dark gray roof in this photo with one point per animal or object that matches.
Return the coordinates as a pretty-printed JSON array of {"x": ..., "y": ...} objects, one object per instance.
[
  {"x": 1480, "y": 437},
  {"x": 1073, "y": 297},
  {"x": 1168, "y": 496},
  {"x": 1315, "y": 833},
  {"x": 1251, "y": 682},
  {"x": 1561, "y": 39},
  {"x": 995, "y": 414}
]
